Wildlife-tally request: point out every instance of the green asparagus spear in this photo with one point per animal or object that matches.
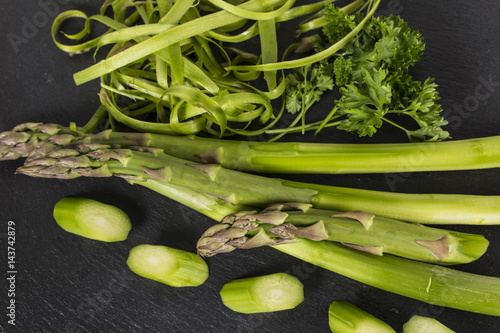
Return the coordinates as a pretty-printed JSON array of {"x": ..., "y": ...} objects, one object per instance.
[
  {"x": 360, "y": 230},
  {"x": 301, "y": 157}
]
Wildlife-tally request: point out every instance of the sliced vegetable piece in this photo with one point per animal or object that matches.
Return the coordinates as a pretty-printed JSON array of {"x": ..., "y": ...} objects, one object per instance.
[
  {"x": 268, "y": 293},
  {"x": 343, "y": 317},
  {"x": 92, "y": 219},
  {"x": 176, "y": 268},
  {"x": 420, "y": 324}
]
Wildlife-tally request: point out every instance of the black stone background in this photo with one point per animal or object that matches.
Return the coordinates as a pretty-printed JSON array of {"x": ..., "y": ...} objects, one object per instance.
[{"x": 66, "y": 283}]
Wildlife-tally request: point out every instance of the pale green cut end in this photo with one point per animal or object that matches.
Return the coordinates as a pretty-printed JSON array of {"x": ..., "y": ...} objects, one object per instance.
[
  {"x": 343, "y": 317},
  {"x": 420, "y": 324},
  {"x": 92, "y": 219},
  {"x": 167, "y": 265},
  {"x": 268, "y": 293}
]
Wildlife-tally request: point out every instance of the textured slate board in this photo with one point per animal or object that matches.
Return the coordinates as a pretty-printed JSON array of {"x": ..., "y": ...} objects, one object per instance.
[{"x": 69, "y": 284}]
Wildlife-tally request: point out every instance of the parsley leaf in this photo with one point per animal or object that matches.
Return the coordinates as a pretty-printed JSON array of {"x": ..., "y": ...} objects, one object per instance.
[
  {"x": 365, "y": 104},
  {"x": 372, "y": 74},
  {"x": 306, "y": 85},
  {"x": 373, "y": 77}
]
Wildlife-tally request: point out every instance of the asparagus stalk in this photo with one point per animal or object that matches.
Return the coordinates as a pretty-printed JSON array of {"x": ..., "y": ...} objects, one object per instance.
[
  {"x": 343, "y": 317},
  {"x": 268, "y": 293},
  {"x": 429, "y": 283},
  {"x": 437, "y": 285},
  {"x": 331, "y": 158},
  {"x": 360, "y": 230},
  {"x": 301, "y": 157},
  {"x": 240, "y": 188}
]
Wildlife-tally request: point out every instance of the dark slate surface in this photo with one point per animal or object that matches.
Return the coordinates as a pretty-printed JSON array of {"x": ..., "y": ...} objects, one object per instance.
[{"x": 65, "y": 283}]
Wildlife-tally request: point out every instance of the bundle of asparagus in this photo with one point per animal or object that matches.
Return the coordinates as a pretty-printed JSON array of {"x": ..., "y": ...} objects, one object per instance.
[
  {"x": 223, "y": 194},
  {"x": 22, "y": 140}
]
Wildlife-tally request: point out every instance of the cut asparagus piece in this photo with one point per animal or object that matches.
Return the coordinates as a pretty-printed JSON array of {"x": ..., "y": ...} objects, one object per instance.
[
  {"x": 420, "y": 324},
  {"x": 343, "y": 317},
  {"x": 268, "y": 293},
  {"x": 92, "y": 219},
  {"x": 363, "y": 231},
  {"x": 171, "y": 266}
]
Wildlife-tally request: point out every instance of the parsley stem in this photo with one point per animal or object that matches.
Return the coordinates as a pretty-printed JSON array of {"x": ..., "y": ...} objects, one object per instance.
[{"x": 394, "y": 124}]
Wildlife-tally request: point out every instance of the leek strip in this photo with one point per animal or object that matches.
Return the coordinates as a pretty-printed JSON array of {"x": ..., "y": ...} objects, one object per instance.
[
  {"x": 95, "y": 120},
  {"x": 194, "y": 125},
  {"x": 177, "y": 11},
  {"x": 176, "y": 63},
  {"x": 122, "y": 92},
  {"x": 299, "y": 11},
  {"x": 213, "y": 111},
  {"x": 73, "y": 48},
  {"x": 130, "y": 33},
  {"x": 162, "y": 40},
  {"x": 252, "y": 31},
  {"x": 161, "y": 72},
  {"x": 289, "y": 64},
  {"x": 164, "y": 7},
  {"x": 317, "y": 22},
  {"x": 251, "y": 15},
  {"x": 269, "y": 49}
]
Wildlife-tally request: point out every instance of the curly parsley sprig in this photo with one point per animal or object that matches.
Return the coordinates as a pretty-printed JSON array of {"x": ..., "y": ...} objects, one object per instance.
[{"x": 372, "y": 74}]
